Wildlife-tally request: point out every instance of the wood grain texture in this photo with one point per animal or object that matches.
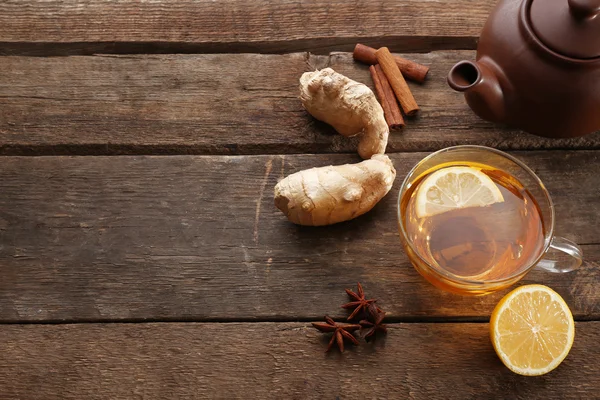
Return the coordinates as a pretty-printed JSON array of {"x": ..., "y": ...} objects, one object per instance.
[
  {"x": 197, "y": 238},
  {"x": 275, "y": 360},
  {"x": 217, "y": 104},
  {"x": 50, "y": 27}
]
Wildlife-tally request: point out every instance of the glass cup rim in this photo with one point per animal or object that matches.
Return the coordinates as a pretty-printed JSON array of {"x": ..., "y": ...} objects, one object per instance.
[{"x": 548, "y": 234}]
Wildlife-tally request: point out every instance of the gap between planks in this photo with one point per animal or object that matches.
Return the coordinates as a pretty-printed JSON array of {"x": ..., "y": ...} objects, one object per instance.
[
  {"x": 406, "y": 44},
  {"x": 115, "y": 151},
  {"x": 388, "y": 320}
]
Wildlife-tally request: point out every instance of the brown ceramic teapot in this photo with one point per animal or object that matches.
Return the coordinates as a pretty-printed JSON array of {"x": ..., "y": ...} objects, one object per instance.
[{"x": 537, "y": 68}]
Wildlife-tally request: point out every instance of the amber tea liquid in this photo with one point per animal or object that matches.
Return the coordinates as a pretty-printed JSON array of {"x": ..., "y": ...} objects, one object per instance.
[{"x": 477, "y": 243}]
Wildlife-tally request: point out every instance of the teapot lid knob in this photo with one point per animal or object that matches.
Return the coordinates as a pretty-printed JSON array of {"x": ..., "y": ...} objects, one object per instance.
[{"x": 584, "y": 9}]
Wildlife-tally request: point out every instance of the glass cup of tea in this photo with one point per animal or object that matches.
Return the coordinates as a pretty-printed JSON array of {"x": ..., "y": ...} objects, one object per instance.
[{"x": 474, "y": 220}]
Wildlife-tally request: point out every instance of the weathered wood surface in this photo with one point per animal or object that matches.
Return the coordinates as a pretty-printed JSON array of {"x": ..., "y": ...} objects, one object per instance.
[
  {"x": 195, "y": 241},
  {"x": 198, "y": 238},
  {"x": 275, "y": 360},
  {"x": 50, "y": 27},
  {"x": 217, "y": 104}
]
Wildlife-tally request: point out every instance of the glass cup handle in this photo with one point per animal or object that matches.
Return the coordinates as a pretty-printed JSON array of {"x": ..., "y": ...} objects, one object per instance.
[{"x": 570, "y": 260}]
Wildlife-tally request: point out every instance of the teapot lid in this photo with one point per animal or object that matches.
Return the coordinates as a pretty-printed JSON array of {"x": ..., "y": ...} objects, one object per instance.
[{"x": 569, "y": 27}]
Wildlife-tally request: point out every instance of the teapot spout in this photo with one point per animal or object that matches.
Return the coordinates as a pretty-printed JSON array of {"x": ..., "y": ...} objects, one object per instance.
[{"x": 481, "y": 87}]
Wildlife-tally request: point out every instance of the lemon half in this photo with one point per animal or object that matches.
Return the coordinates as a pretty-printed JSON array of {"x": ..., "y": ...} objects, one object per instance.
[
  {"x": 532, "y": 330},
  {"x": 454, "y": 188}
]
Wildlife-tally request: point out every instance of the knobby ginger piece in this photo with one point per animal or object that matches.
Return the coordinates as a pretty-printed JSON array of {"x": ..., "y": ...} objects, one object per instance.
[
  {"x": 328, "y": 195},
  {"x": 349, "y": 106}
]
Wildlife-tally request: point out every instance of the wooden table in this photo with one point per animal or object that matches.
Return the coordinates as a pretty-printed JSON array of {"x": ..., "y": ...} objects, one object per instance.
[{"x": 142, "y": 257}]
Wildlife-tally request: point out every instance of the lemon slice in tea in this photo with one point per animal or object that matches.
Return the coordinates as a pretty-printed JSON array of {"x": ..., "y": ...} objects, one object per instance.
[
  {"x": 455, "y": 188},
  {"x": 532, "y": 330}
]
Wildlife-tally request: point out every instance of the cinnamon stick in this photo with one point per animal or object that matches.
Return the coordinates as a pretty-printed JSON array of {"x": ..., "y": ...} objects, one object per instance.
[
  {"x": 389, "y": 94},
  {"x": 384, "y": 92},
  {"x": 394, "y": 76},
  {"x": 410, "y": 69}
]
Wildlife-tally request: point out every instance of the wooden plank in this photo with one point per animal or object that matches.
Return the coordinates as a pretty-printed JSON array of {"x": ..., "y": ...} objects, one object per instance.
[
  {"x": 275, "y": 360},
  {"x": 198, "y": 238},
  {"x": 217, "y": 104},
  {"x": 50, "y": 27}
]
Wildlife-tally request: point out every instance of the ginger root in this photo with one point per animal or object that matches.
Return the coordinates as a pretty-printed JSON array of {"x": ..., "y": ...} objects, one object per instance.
[
  {"x": 349, "y": 106},
  {"x": 328, "y": 195}
]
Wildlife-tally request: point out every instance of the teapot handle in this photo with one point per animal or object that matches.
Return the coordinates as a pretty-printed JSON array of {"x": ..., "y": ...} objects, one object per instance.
[{"x": 584, "y": 9}]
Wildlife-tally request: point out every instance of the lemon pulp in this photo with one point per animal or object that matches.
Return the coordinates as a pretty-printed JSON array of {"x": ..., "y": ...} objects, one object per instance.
[
  {"x": 532, "y": 330},
  {"x": 455, "y": 188}
]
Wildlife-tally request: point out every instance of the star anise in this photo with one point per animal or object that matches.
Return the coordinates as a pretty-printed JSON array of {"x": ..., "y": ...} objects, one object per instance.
[
  {"x": 374, "y": 326},
  {"x": 360, "y": 302},
  {"x": 340, "y": 331}
]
